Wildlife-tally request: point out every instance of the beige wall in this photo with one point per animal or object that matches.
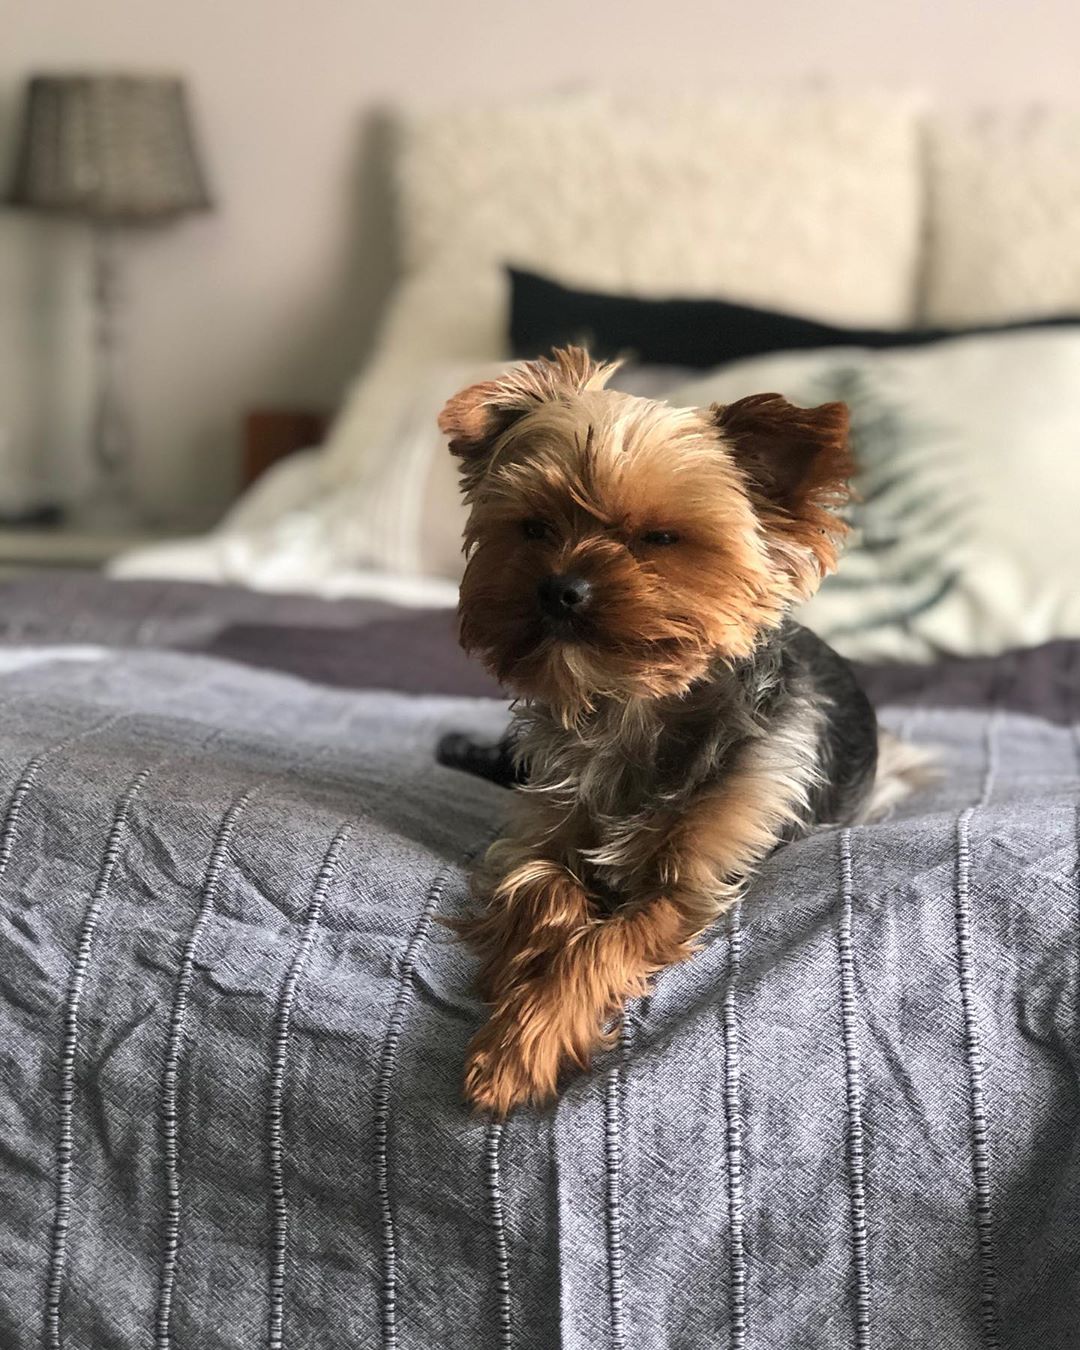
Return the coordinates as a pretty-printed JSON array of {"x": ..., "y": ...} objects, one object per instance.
[{"x": 272, "y": 299}]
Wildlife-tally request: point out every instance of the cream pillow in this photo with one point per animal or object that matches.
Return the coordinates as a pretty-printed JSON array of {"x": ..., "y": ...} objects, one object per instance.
[{"x": 966, "y": 536}]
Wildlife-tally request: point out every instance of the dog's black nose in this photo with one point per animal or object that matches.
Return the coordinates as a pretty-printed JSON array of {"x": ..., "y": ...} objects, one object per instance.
[{"x": 564, "y": 595}]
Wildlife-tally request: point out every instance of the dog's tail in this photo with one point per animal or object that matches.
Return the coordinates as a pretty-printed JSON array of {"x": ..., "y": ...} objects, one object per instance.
[{"x": 902, "y": 769}]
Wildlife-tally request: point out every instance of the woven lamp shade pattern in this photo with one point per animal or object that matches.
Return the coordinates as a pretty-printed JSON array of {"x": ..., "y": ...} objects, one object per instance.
[{"x": 111, "y": 148}]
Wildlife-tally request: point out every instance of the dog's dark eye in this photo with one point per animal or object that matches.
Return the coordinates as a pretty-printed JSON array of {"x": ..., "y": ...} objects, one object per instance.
[
  {"x": 535, "y": 529},
  {"x": 660, "y": 538}
]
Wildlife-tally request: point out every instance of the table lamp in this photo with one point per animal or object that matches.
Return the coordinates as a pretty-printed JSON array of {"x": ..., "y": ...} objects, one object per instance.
[{"x": 117, "y": 151}]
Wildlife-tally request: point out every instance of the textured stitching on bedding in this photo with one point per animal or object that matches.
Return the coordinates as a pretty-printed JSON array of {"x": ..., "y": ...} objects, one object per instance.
[
  {"x": 734, "y": 1134},
  {"x": 69, "y": 1047},
  {"x": 613, "y": 1160},
  {"x": 275, "y": 1109},
  {"x": 493, "y": 1180},
  {"x": 402, "y": 999},
  {"x": 15, "y": 804},
  {"x": 28, "y": 778},
  {"x": 980, "y": 1152},
  {"x": 856, "y": 1158},
  {"x": 170, "y": 1077}
]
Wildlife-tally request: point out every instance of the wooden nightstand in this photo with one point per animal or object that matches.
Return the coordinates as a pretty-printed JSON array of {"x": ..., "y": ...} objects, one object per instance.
[
  {"x": 271, "y": 434},
  {"x": 31, "y": 549}
]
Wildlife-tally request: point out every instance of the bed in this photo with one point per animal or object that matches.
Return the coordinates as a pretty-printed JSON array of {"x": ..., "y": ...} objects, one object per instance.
[
  {"x": 232, "y": 1024},
  {"x": 234, "y": 1027}
]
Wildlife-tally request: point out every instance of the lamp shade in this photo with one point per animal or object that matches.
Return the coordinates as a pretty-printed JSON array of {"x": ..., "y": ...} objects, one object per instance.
[{"x": 109, "y": 148}]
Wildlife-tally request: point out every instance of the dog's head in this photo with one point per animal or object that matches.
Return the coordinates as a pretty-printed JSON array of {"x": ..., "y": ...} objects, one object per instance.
[{"x": 617, "y": 546}]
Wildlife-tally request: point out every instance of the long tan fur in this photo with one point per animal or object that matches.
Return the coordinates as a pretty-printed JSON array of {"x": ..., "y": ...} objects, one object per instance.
[{"x": 605, "y": 875}]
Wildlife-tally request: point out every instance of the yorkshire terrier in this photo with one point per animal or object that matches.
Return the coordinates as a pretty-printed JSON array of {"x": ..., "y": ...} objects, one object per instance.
[{"x": 631, "y": 568}]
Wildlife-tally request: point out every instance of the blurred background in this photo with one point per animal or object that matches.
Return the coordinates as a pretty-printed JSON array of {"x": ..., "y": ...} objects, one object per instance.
[{"x": 350, "y": 182}]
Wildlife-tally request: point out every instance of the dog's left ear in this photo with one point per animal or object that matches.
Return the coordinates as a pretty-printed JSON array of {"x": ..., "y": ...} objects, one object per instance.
[
  {"x": 797, "y": 465},
  {"x": 475, "y": 418}
]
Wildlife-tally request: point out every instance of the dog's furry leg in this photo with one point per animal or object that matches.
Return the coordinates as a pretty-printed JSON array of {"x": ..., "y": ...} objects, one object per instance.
[
  {"x": 495, "y": 762},
  {"x": 555, "y": 968},
  {"x": 554, "y": 1012},
  {"x": 528, "y": 914},
  {"x": 536, "y": 909}
]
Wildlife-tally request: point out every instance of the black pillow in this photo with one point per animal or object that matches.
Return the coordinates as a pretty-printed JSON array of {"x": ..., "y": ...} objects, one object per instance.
[{"x": 693, "y": 333}]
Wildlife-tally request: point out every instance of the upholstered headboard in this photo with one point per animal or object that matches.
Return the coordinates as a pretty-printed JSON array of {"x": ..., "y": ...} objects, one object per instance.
[
  {"x": 872, "y": 210},
  {"x": 1002, "y": 215},
  {"x": 813, "y": 203}
]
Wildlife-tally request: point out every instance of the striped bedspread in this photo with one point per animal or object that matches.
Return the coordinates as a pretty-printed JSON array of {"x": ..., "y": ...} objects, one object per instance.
[{"x": 232, "y": 1030}]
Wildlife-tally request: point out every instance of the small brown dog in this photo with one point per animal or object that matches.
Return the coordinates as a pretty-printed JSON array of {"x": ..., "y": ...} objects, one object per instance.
[{"x": 630, "y": 570}]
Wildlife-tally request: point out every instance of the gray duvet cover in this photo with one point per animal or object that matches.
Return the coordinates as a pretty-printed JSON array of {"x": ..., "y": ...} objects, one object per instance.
[{"x": 232, "y": 1029}]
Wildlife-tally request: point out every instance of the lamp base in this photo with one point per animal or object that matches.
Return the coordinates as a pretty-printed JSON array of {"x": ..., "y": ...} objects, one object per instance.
[
  {"x": 102, "y": 508},
  {"x": 110, "y": 501}
]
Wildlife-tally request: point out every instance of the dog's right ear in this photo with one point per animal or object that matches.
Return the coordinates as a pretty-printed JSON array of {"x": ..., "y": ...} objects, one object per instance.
[
  {"x": 797, "y": 465},
  {"x": 477, "y": 417}
]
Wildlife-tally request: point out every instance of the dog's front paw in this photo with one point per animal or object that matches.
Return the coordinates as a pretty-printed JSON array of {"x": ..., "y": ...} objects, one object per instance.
[{"x": 502, "y": 1071}]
